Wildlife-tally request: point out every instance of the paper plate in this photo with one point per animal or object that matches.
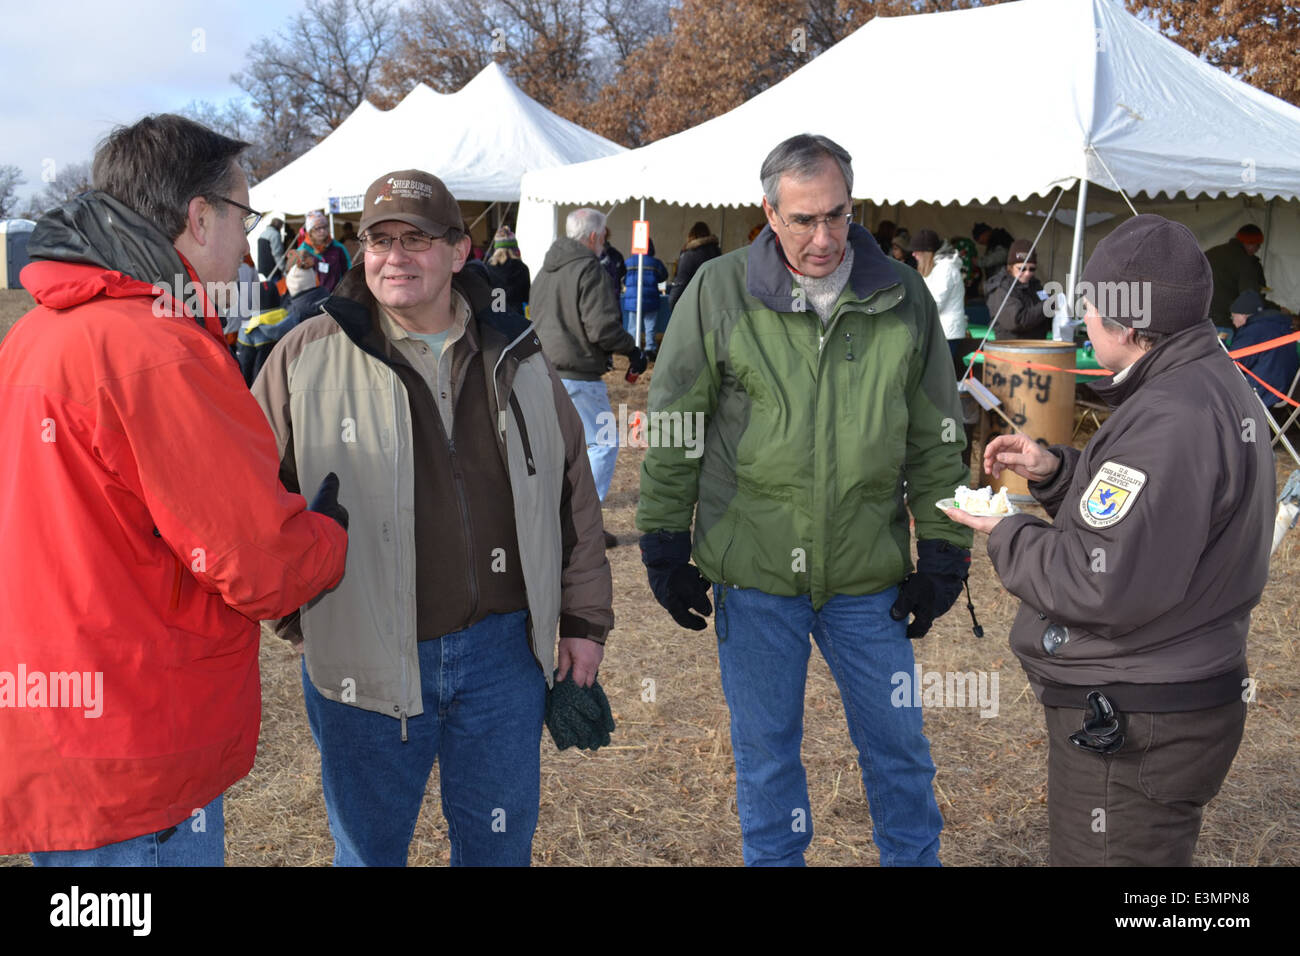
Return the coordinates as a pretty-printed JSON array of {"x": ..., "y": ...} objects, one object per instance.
[{"x": 952, "y": 503}]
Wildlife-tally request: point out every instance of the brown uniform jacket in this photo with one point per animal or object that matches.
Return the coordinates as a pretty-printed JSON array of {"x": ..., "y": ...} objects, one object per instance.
[{"x": 1160, "y": 542}]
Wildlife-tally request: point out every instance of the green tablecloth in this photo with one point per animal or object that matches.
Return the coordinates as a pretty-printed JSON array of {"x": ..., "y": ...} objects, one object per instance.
[{"x": 1083, "y": 359}]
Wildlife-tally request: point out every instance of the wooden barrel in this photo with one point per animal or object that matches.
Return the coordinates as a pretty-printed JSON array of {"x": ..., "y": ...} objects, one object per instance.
[{"x": 1039, "y": 401}]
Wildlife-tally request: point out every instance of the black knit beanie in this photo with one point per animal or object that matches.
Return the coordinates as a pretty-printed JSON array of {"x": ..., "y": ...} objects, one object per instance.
[{"x": 1149, "y": 274}]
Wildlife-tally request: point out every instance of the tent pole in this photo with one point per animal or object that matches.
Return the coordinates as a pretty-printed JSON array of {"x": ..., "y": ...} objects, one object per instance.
[
  {"x": 481, "y": 215},
  {"x": 640, "y": 264},
  {"x": 1076, "y": 248}
]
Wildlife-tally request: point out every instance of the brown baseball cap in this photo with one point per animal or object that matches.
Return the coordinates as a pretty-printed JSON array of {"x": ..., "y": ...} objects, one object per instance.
[
  {"x": 1022, "y": 250},
  {"x": 415, "y": 197}
]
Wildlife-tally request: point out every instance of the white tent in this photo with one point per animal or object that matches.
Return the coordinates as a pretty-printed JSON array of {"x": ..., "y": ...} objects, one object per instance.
[
  {"x": 479, "y": 141},
  {"x": 1108, "y": 101}
]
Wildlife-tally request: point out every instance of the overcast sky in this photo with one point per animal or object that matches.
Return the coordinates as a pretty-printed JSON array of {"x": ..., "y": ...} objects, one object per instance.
[{"x": 75, "y": 69}]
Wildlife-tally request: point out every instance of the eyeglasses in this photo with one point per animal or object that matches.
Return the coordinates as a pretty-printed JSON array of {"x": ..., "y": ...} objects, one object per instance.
[
  {"x": 803, "y": 225},
  {"x": 411, "y": 242},
  {"x": 251, "y": 216}
]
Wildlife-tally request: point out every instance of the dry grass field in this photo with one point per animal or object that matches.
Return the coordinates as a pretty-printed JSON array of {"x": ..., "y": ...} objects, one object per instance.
[{"x": 664, "y": 793}]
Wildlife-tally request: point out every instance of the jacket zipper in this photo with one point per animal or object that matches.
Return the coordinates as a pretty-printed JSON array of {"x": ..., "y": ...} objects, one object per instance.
[
  {"x": 523, "y": 435},
  {"x": 465, "y": 525},
  {"x": 176, "y": 577},
  {"x": 397, "y": 538},
  {"x": 176, "y": 584},
  {"x": 823, "y": 335}
]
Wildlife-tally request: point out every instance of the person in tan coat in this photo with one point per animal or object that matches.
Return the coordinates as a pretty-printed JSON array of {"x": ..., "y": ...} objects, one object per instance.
[{"x": 477, "y": 534}]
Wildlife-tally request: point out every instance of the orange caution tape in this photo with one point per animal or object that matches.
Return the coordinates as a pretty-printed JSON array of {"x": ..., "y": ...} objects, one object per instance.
[
  {"x": 1284, "y": 398},
  {"x": 1241, "y": 353},
  {"x": 1266, "y": 346}
]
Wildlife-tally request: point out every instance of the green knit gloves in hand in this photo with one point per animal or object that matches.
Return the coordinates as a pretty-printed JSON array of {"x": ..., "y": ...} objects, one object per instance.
[{"x": 578, "y": 716}]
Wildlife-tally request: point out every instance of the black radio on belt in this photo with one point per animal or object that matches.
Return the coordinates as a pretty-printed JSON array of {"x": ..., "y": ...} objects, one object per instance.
[{"x": 1102, "y": 731}]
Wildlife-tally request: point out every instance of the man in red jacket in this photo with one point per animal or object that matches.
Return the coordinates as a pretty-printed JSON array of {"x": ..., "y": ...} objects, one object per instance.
[{"x": 143, "y": 528}]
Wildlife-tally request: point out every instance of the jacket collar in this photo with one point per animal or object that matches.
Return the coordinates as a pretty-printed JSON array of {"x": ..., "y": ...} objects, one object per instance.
[
  {"x": 1190, "y": 345},
  {"x": 1266, "y": 317},
  {"x": 768, "y": 280},
  {"x": 97, "y": 230},
  {"x": 354, "y": 308}
]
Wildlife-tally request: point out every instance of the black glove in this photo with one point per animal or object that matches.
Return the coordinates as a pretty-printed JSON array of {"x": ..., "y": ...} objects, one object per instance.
[
  {"x": 578, "y": 716},
  {"x": 677, "y": 584},
  {"x": 326, "y": 501},
  {"x": 933, "y": 588},
  {"x": 637, "y": 361}
]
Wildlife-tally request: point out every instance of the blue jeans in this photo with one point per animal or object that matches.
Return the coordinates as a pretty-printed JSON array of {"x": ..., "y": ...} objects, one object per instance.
[
  {"x": 649, "y": 324},
  {"x": 763, "y": 653},
  {"x": 600, "y": 427},
  {"x": 197, "y": 841},
  {"x": 484, "y": 699}
]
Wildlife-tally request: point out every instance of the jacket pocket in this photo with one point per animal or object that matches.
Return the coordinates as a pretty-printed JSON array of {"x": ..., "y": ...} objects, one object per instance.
[{"x": 1189, "y": 754}]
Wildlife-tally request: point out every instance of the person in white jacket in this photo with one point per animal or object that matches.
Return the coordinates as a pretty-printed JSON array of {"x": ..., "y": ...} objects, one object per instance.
[{"x": 940, "y": 266}]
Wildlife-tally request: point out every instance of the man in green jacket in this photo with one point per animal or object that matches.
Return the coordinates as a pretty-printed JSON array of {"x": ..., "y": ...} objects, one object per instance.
[{"x": 822, "y": 373}]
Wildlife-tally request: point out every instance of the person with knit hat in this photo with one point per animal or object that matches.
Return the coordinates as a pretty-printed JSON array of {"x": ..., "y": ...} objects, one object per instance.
[
  {"x": 1236, "y": 268},
  {"x": 331, "y": 258},
  {"x": 1255, "y": 322},
  {"x": 1023, "y": 315},
  {"x": 508, "y": 271},
  {"x": 1136, "y": 597},
  {"x": 900, "y": 248}
]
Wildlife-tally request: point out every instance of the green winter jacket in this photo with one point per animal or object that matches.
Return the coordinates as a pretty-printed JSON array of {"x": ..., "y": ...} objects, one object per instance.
[{"x": 811, "y": 433}]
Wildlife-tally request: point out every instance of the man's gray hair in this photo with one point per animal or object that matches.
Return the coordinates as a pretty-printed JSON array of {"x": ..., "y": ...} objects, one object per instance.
[
  {"x": 581, "y": 223},
  {"x": 802, "y": 157}
]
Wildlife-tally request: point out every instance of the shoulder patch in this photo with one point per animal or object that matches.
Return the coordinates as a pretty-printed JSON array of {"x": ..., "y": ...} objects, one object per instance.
[{"x": 1110, "y": 494}]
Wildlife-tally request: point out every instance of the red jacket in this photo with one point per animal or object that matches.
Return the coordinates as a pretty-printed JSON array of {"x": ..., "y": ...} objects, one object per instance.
[{"x": 143, "y": 534}]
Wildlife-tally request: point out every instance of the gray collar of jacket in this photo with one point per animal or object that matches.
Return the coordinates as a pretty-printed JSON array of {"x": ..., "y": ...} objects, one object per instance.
[
  {"x": 97, "y": 229},
  {"x": 1198, "y": 342},
  {"x": 563, "y": 251},
  {"x": 768, "y": 279}
]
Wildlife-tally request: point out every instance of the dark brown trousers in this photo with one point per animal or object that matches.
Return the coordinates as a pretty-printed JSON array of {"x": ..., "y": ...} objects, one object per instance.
[{"x": 1140, "y": 806}]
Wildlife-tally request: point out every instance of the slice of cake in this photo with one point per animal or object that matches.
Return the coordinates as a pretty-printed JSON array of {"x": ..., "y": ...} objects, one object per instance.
[{"x": 982, "y": 501}]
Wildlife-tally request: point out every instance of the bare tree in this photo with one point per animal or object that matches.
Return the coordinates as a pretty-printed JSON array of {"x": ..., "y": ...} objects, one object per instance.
[
  {"x": 627, "y": 25},
  {"x": 546, "y": 45},
  {"x": 65, "y": 182},
  {"x": 11, "y": 177},
  {"x": 444, "y": 44},
  {"x": 233, "y": 118},
  {"x": 304, "y": 81}
]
